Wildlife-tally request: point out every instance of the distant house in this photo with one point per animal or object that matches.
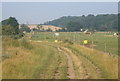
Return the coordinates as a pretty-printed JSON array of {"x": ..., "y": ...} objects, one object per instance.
[
  {"x": 44, "y": 27},
  {"x": 53, "y": 28},
  {"x": 32, "y": 27}
]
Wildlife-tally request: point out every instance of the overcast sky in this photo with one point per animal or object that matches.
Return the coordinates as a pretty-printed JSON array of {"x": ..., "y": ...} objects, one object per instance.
[{"x": 40, "y": 12}]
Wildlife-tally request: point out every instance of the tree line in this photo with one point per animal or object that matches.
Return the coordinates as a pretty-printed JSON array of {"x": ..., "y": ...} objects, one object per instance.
[
  {"x": 106, "y": 22},
  {"x": 101, "y": 22}
]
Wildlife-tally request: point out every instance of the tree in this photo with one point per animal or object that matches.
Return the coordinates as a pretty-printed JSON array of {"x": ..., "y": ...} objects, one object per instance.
[
  {"x": 24, "y": 28},
  {"x": 74, "y": 26},
  {"x": 39, "y": 26},
  {"x": 61, "y": 30},
  {"x": 8, "y": 30},
  {"x": 48, "y": 30},
  {"x": 10, "y": 26}
]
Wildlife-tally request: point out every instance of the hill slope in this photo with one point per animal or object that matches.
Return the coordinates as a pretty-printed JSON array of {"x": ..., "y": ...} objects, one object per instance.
[{"x": 106, "y": 22}]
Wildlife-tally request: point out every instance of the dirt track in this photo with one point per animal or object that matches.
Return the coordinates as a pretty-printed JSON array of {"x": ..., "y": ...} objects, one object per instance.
[
  {"x": 77, "y": 63},
  {"x": 76, "y": 67},
  {"x": 71, "y": 73}
]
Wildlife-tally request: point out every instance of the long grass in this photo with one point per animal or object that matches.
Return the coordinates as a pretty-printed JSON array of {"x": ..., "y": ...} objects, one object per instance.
[
  {"x": 25, "y": 59},
  {"x": 38, "y": 62},
  {"x": 103, "y": 61}
]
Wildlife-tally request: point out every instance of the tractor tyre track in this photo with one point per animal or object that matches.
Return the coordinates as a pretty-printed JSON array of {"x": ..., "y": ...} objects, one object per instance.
[
  {"x": 78, "y": 65},
  {"x": 71, "y": 73}
]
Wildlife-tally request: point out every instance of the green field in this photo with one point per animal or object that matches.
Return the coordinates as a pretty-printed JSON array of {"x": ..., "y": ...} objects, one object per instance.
[
  {"x": 105, "y": 42},
  {"x": 37, "y": 56}
]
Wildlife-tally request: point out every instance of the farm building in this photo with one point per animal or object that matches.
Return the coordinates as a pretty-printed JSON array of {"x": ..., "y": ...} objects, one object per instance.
[{"x": 53, "y": 28}]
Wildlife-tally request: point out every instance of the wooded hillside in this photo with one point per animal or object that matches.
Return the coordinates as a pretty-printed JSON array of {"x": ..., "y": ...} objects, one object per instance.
[{"x": 103, "y": 22}]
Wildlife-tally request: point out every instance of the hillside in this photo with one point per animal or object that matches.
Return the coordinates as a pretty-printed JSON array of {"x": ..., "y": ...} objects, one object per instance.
[{"x": 106, "y": 22}]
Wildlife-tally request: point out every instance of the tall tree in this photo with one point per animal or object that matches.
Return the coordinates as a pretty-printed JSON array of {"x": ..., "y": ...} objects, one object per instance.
[
  {"x": 10, "y": 26},
  {"x": 39, "y": 26}
]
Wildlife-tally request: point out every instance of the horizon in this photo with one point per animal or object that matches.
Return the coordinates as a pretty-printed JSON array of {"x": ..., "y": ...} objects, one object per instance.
[{"x": 39, "y": 13}]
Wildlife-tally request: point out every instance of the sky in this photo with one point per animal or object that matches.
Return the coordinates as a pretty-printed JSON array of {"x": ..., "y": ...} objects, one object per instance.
[{"x": 40, "y": 12}]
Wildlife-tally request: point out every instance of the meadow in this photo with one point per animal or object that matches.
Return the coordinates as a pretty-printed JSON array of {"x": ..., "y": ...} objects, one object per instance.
[
  {"x": 37, "y": 56},
  {"x": 29, "y": 60},
  {"x": 105, "y": 41}
]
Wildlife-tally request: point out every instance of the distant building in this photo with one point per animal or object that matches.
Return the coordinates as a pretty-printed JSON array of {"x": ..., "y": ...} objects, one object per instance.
[
  {"x": 32, "y": 27},
  {"x": 44, "y": 27},
  {"x": 53, "y": 28}
]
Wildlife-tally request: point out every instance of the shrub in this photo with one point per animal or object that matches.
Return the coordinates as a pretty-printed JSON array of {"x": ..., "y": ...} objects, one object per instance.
[
  {"x": 68, "y": 41},
  {"x": 47, "y": 37}
]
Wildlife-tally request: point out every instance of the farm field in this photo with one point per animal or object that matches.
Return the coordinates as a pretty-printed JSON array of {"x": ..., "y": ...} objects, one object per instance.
[
  {"x": 39, "y": 57},
  {"x": 105, "y": 42}
]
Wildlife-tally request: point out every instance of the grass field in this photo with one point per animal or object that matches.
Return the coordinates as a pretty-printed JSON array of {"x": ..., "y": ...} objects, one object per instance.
[
  {"x": 40, "y": 57},
  {"x": 105, "y": 42}
]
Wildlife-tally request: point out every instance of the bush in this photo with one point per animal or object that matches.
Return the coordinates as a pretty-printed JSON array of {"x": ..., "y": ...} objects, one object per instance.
[
  {"x": 18, "y": 36},
  {"x": 68, "y": 41},
  {"x": 47, "y": 38}
]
